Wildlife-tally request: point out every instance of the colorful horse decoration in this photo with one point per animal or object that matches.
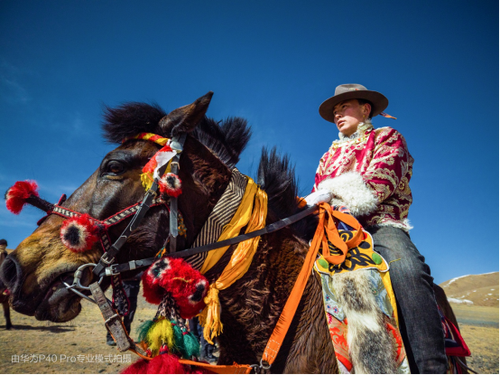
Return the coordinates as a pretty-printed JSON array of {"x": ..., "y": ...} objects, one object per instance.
[{"x": 267, "y": 275}]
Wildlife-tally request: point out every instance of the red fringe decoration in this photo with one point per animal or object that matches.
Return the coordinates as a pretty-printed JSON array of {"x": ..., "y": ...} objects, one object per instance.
[
  {"x": 152, "y": 291},
  {"x": 139, "y": 367},
  {"x": 171, "y": 184},
  {"x": 17, "y": 195},
  {"x": 79, "y": 233},
  {"x": 187, "y": 286},
  {"x": 166, "y": 364}
]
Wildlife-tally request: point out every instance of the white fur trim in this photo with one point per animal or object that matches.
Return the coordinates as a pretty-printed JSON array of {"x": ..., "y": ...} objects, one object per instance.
[
  {"x": 350, "y": 190},
  {"x": 404, "y": 225}
]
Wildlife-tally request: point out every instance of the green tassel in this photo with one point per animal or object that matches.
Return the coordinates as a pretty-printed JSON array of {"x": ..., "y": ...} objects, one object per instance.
[
  {"x": 192, "y": 345},
  {"x": 143, "y": 329},
  {"x": 179, "y": 341}
]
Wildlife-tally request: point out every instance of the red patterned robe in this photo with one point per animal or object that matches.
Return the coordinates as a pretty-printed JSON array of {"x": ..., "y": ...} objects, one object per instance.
[{"x": 369, "y": 173}]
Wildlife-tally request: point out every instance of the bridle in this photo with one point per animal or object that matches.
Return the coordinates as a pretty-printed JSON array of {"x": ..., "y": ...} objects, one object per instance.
[
  {"x": 106, "y": 266},
  {"x": 137, "y": 211}
]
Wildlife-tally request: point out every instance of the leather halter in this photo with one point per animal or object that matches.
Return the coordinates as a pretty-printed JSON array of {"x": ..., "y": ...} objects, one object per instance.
[
  {"x": 137, "y": 211},
  {"x": 109, "y": 256}
]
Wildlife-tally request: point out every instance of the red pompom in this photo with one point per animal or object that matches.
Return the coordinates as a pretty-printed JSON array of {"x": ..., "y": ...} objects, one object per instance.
[
  {"x": 17, "y": 195},
  {"x": 139, "y": 367},
  {"x": 171, "y": 184},
  {"x": 166, "y": 364},
  {"x": 79, "y": 233},
  {"x": 187, "y": 286},
  {"x": 152, "y": 291}
]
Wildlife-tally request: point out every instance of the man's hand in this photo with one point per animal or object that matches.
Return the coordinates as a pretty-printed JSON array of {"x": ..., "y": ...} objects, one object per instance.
[{"x": 319, "y": 196}]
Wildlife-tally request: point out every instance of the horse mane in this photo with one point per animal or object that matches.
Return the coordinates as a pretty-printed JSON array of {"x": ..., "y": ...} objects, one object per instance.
[
  {"x": 227, "y": 139},
  {"x": 276, "y": 175}
]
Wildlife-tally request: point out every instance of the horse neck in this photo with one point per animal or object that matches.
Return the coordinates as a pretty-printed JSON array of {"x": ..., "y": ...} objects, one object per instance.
[
  {"x": 251, "y": 306},
  {"x": 204, "y": 179}
]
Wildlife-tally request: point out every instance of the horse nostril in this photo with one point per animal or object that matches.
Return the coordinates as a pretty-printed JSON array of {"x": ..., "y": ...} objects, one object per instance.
[{"x": 9, "y": 274}]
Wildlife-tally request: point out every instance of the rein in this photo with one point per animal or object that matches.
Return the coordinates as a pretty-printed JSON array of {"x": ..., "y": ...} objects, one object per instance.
[{"x": 274, "y": 227}]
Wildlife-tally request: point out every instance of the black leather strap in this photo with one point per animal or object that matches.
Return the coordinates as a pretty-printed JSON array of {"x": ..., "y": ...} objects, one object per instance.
[{"x": 231, "y": 241}]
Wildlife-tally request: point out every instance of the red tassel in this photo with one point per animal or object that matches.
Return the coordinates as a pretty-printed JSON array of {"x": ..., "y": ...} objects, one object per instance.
[
  {"x": 79, "y": 233},
  {"x": 166, "y": 364},
  {"x": 152, "y": 291},
  {"x": 17, "y": 195},
  {"x": 139, "y": 367},
  {"x": 171, "y": 184},
  {"x": 187, "y": 286}
]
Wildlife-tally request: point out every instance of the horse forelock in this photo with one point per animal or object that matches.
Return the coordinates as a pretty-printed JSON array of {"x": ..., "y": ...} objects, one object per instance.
[
  {"x": 130, "y": 119},
  {"x": 227, "y": 139}
]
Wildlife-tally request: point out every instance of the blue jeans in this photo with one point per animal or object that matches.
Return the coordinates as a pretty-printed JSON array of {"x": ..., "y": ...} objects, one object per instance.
[{"x": 420, "y": 323}]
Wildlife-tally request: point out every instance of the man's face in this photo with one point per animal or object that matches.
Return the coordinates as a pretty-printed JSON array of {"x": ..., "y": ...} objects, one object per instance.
[{"x": 348, "y": 115}]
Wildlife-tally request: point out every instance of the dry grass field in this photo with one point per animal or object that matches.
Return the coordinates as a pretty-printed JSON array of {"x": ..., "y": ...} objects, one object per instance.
[
  {"x": 79, "y": 346},
  {"x": 479, "y": 327}
]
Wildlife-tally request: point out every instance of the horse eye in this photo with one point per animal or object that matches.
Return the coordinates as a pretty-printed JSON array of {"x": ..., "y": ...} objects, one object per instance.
[{"x": 114, "y": 167}]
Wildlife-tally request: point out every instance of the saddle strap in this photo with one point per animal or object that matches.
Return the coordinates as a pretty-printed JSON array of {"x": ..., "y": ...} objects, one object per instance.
[
  {"x": 112, "y": 320},
  {"x": 323, "y": 230}
]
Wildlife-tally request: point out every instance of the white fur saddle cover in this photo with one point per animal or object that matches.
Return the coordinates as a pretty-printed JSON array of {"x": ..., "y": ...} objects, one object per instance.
[{"x": 361, "y": 312}]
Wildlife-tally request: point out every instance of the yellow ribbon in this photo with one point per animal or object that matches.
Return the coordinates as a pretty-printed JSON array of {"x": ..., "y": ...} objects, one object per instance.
[{"x": 252, "y": 213}]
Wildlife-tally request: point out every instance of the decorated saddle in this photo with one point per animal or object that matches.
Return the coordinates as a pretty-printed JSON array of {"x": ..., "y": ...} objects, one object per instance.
[{"x": 360, "y": 307}]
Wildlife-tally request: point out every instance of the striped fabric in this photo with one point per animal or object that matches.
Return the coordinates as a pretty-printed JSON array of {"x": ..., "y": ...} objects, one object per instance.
[{"x": 220, "y": 216}]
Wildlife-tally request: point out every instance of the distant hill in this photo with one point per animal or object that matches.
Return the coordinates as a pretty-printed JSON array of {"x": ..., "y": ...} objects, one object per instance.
[{"x": 478, "y": 290}]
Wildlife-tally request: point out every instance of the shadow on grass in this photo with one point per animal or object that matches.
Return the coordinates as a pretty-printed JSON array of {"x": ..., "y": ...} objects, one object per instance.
[{"x": 53, "y": 329}]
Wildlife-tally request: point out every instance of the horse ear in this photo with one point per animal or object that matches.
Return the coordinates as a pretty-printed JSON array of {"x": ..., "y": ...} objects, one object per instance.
[{"x": 185, "y": 119}]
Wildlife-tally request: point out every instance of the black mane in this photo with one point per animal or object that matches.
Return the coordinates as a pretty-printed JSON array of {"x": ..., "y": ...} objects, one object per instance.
[
  {"x": 130, "y": 119},
  {"x": 227, "y": 139},
  {"x": 277, "y": 177}
]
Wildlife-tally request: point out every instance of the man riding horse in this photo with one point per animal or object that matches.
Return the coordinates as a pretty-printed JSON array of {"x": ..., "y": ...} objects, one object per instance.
[{"x": 368, "y": 170}]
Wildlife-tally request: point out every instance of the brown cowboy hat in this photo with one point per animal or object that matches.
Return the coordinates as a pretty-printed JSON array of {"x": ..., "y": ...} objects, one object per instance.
[{"x": 353, "y": 91}]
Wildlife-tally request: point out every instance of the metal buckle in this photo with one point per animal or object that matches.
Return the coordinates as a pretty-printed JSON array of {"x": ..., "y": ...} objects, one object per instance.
[
  {"x": 258, "y": 368},
  {"x": 78, "y": 276},
  {"x": 111, "y": 270},
  {"x": 105, "y": 260},
  {"x": 264, "y": 367}
]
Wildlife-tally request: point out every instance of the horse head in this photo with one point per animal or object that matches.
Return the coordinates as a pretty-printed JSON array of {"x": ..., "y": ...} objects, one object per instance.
[{"x": 36, "y": 271}]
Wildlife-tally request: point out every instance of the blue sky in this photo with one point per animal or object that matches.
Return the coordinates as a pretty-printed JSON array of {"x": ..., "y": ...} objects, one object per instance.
[{"x": 273, "y": 63}]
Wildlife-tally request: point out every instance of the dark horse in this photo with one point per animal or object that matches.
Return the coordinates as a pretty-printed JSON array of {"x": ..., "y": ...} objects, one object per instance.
[{"x": 35, "y": 271}]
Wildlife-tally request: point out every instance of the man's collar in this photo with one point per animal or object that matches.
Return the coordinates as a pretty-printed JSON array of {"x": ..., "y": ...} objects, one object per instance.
[{"x": 363, "y": 127}]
